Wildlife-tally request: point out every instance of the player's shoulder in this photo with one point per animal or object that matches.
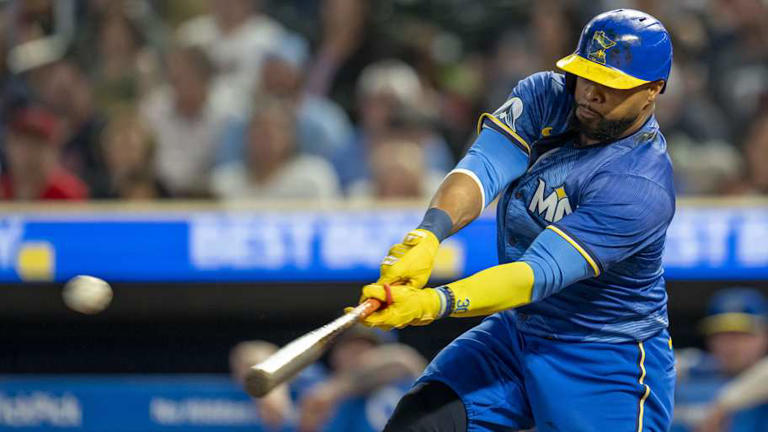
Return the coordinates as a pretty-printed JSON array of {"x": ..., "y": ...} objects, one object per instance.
[
  {"x": 544, "y": 96},
  {"x": 547, "y": 78},
  {"x": 544, "y": 83}
]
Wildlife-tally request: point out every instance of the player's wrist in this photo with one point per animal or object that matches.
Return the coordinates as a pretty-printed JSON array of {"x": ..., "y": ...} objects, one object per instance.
[
  {"x": 447, "y": 301},
  {"x": 437, "y": 222}
]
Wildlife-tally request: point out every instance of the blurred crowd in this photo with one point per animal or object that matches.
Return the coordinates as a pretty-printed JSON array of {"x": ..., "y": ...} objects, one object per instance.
[{"x": 326, "y": 99}]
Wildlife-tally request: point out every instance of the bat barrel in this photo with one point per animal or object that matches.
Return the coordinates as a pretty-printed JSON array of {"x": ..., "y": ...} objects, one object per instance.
[
  {"x": 259, "y": 382},
  {"x": 292, "y": 358}
]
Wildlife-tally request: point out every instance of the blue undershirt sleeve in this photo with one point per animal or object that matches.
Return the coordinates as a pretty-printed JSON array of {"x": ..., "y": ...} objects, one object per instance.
[
  {"x": 493, "y": 162},
  {"x": 556, "y": 264}
]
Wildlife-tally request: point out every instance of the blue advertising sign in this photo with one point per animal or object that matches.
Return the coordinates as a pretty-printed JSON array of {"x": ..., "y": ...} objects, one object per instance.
[
  {"x": 126, "y": 403},
  {"x": 348, "y": 245},
  {"x": 158, "y": 403}
]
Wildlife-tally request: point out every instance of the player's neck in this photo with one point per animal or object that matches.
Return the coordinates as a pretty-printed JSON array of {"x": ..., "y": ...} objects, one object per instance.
[{"x": 633, "y": 127}]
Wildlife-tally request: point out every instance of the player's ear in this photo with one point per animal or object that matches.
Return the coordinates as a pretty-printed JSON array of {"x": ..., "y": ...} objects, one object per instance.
[{"x": 654, "y": 89}]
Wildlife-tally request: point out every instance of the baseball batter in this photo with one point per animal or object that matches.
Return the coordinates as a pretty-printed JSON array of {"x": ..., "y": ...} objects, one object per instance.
[{"x": 577, "y": 334}]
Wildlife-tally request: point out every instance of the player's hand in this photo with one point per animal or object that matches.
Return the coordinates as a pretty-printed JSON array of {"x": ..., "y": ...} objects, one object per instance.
[
  {"x": 406, "y": 306},
  {"x": 410, "y": 262}
]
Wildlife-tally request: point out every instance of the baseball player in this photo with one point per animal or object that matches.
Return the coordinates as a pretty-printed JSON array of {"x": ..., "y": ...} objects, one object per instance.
[
  {"x": 577, "y": 334},
  {"x": 725, "y": 385}
]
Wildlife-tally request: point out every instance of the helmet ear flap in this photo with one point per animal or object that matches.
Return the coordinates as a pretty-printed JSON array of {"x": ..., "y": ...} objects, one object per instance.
[{"x": 570, "y": 82}]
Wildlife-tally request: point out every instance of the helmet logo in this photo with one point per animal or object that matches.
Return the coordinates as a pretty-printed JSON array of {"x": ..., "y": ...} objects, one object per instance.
[{"x": 597, "y": 47}]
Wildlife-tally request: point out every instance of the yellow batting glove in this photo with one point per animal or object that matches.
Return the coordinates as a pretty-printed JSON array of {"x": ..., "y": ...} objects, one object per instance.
[
  {"x": 406, "y": 306},
  {"x": 410, "y": 262}
]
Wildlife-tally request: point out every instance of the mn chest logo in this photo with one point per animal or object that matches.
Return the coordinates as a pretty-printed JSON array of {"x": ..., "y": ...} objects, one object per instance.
[{"x": 552, "y": 208}]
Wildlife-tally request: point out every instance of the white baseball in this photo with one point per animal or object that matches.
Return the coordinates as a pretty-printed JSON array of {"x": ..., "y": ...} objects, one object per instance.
[{"x": 87, "y": 294}]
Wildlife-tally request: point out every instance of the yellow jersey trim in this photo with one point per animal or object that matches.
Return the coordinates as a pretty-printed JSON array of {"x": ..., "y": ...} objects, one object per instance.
[
  {"x": 647, "y": 391},
  {"x": 599, "y": 73},
  {"x": 504, "y": 127},
  {"x": 592, "y": 263}
]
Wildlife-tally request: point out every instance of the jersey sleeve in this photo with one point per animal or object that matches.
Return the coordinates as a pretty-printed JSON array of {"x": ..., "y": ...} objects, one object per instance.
[
  {"x": 502, "y": 148},
  {"x": 492, "y": 163},
  {"x": 618, "y": 215},
  {"x": 521, "y": 117},
  {"x": 556, "y": 264}
]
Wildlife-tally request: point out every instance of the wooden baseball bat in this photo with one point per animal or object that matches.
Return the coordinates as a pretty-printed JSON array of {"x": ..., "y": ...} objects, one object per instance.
[{"x": 300, "y": 353}]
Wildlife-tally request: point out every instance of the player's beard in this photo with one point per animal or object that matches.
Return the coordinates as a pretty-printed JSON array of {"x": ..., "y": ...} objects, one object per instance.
[{"x": 603, "y": 130}]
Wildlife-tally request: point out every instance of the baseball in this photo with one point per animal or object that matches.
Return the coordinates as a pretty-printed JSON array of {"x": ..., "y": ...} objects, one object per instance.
[{"x": 87, "y": 294}]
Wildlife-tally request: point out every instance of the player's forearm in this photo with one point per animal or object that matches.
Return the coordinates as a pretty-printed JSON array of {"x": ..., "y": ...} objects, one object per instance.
[
  {"x": 460, "y": 198},
  {"x": 492, "y": 290},
  {"x": 489, "y": 166}
]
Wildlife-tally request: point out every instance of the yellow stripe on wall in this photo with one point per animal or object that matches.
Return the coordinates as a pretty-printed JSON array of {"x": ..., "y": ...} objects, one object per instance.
[
  {"x": 647, "y": 388},
  {"x": 578, "y": 247},
  {"x": 506, "y": 129}
]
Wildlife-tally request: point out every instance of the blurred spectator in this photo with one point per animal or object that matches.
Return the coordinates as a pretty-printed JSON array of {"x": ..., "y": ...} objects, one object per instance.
[
  {"x": 398, "y": 171},
  {"x": 31, "y": 19},
  {"x": 552, "y": 30},
  {"x": 9, "y": 84},
  {"x": 274, "y": 167},
  {"x": 345, "y": 47},
  {"x": 697, "y": 135},
  {"x": 739, "y": 59},
  {"x": 756, "y": 148},
  {"x": 390, "y": 96},
  {"x": 369, "y": 375},
  {"x": 68, "y": 91},
  {"x": 512, "y": 59},
  {"x": 737, "y": 338},
  {"x": 129, "y": 150},
  {"x": 323, "y": 128},
  {"x": 753, "y": 180},
  {"x": 32, "y": 149},
  {"x": 718, "y": 86},
  {"x": 122, "y": 71},
  {"x": 236, "y": 34},
  {"x": 687, "y": 108},
  {"x": 185, "y": 123},
  {"x": 13, "y": 90}
]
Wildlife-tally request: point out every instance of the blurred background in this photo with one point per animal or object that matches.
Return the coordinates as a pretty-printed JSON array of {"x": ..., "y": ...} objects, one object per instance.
[{"x": 227, "y": 166}]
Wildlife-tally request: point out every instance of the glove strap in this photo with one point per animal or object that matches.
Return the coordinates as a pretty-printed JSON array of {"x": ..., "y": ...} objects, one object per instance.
[{"x": 447, "y": 301}]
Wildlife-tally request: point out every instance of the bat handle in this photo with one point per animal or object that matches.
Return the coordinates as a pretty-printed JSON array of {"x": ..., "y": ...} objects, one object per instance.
[{"x": 366, "y": 308}]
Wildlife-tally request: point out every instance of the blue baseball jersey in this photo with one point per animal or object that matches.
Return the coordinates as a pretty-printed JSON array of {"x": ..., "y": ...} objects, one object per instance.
[{"x": 611, "y": 201}]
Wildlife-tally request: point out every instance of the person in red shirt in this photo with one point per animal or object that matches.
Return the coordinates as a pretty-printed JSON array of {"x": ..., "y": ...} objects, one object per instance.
[{"x": 32, "y": 152}]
